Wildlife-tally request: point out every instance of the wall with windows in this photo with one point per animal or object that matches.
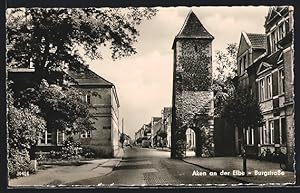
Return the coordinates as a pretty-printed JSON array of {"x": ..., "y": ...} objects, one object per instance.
[
  {"x": 105, "y": 139},
  {"x": 277, "y": 29}
]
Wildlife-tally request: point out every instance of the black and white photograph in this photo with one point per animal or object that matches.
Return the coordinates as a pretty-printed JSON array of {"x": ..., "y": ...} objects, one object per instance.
[{"x": 150, "y": 96}]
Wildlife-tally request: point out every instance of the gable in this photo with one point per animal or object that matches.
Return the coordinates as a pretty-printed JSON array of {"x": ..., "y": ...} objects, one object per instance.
[
  {"x": 243, "y": 46},
  {"x": 275, "y": 12},
  {"x": 193, "y": 28},
  {"x": 264, "y": 66},
  {"x": 280, "y": 58}
]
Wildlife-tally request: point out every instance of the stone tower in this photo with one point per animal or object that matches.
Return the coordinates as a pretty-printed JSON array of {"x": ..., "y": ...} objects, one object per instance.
[{"x": 192, "y": 96}]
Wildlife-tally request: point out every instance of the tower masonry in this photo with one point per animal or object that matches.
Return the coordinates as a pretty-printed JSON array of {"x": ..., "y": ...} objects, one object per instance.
[{"x": 192, "y": 95}]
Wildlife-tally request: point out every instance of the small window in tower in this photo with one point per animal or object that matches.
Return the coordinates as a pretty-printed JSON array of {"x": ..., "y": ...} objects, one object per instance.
[{"x": 196, "y": 48}]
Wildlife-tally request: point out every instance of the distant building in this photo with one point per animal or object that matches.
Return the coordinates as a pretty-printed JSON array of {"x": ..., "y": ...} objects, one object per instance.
[
  {"x": 140, "y": 135},
  {"x": 155, "y": 125},
  {"x": 190, "y": 139},
  {"x": 167, "y": 123}
]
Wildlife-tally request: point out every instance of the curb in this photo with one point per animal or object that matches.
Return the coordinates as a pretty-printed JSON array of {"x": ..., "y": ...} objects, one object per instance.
[{"x": 211, "y": 170}]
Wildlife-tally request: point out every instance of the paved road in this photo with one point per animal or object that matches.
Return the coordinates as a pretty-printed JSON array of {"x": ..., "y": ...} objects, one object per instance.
[{"x": 143, "y": 166}]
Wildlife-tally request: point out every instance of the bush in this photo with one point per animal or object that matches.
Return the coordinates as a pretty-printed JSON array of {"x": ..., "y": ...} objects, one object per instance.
[
  {"x": 71, "y": 149},
  {"x": 19, "y": 163},
  {"x": 55, "y": 154},
  {"x": 87, "y": 152}
]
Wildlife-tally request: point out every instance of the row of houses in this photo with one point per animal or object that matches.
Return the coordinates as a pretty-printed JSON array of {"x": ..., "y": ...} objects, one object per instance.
[
  {"x": 96, "y": 91},
  {"x": 265, "y": 66},
  {"x": 156, "y": 133}
]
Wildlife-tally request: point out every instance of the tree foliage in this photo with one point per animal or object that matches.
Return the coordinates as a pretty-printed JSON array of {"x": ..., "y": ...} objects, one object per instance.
[
  {"x": 58, "y": 38},
  {"x": 62, "y": 107},
  {"x": 226, "y": 67},
  {"x": 242, "y": 110},
  {"x": 24, "y": 124},
  {"x": 226, "y": 70}
]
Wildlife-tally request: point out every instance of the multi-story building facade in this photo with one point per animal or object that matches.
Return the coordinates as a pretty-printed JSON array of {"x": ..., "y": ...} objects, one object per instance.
[
  {"x": 102, "y": 96},
  {"x": 269, "y": 76},
  {"x": 96, "y": 91},
  {"x": 251, "y": 47}
]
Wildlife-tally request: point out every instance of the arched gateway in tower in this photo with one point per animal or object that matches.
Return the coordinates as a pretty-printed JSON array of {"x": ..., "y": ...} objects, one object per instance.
[{"x": 192, "y": 98}]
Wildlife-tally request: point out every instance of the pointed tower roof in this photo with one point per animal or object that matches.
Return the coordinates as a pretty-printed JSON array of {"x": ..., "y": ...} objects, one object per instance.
[{"x": 193, "y": 28}]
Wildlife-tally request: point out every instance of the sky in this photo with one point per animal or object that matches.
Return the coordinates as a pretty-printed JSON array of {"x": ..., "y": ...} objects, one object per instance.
[{"x": 144, "y": 80}]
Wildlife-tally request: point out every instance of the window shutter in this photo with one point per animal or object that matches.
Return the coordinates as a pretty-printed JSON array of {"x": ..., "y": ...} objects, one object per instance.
[
  {"x": 276, "y": 132},
  {"x": 275, "y": 83},
  {"x": 283, "y": 130}
]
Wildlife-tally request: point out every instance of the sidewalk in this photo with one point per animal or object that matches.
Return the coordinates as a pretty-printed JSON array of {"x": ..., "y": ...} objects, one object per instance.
[
  {"x": 58, "y": 175},
  {"x": 259, "y": 172}
]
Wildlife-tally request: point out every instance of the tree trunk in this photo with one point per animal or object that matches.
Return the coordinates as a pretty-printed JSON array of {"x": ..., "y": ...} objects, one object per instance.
[{"x": 32, "y": 156}]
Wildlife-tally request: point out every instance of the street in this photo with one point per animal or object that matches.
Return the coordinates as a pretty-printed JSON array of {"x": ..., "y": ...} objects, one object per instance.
[
  {"x": 143, "y": 166},
  {"x": 152, "y": 167}
]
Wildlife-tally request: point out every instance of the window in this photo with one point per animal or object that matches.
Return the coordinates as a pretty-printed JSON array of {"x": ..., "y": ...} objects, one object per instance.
[
  {"x": 271, "y": 127},
  {"x": 281, "y": 81},
  {"x": 281, "y": 31},
  {"x": 49, "y": 138},
  {"x": 241, "y": 66},
  {"x": 86, "y": 134},
  {"x": 88, "y": 99},
  {"x": 261, "y": 131},
  {"x": 250, "y": 136},
  {"x": 266, "y": 135},
  {"x": 261, "y": 90},
  {"x": 245, "y": 62},
  {"x": 46, "y": 138},
  {"x": 274, "y": 41},
  {"x": 269, "y": 87}
]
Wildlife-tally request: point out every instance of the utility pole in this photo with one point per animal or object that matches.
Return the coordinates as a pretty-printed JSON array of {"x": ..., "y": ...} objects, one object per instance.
[{"x": 122, "y": 125}]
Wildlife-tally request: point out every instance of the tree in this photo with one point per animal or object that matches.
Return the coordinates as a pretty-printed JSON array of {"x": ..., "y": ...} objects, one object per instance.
[
  {"x": 243, "y": 111},
  {"x": 25, "y": 126},
  {"x": 54, "y": 39},
  {"x": 59, "y": 39},
  {"x": 226, "y": 70},
  {"x": 62, "y": 107}
]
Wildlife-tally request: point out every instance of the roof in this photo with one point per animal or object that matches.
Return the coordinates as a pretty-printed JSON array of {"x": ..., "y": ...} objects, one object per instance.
[
  {"x": 88, "y": 77},
  {"x": 156, "y": 119},
  {"x": 270, "y": 61},
  {"x": 273, "y": 58},
  {"x": 257, "y": 40},
  {"x": 193, "y": 28}
]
